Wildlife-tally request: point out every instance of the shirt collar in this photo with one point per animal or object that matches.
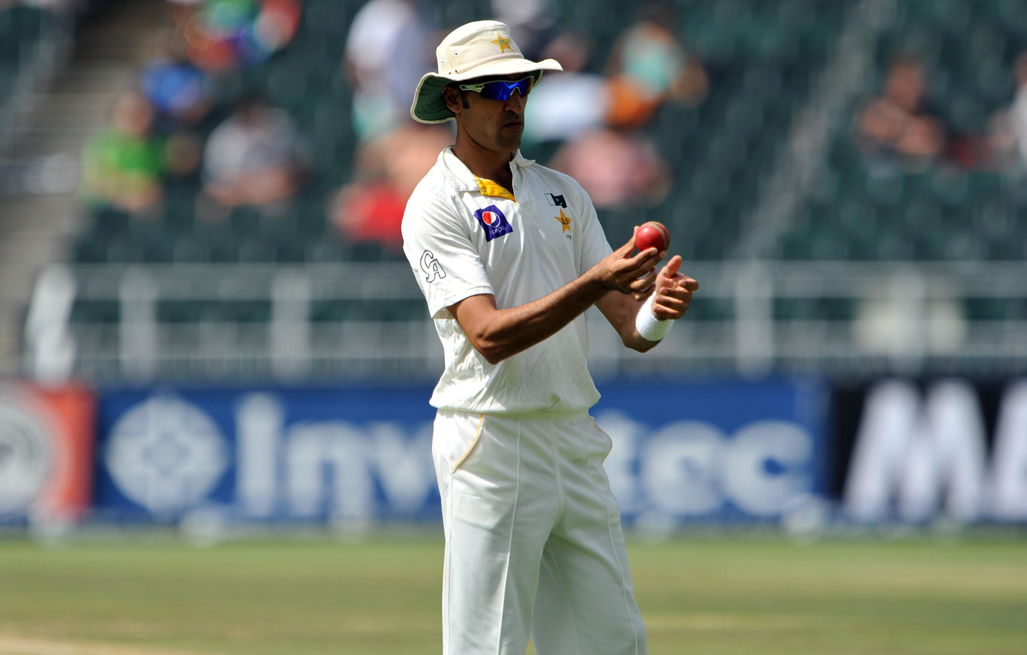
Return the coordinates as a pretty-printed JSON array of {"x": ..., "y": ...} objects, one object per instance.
[{"x": 461, "y": 177}]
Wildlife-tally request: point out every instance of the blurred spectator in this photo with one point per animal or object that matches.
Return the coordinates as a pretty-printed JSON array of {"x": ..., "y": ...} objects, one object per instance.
[
  {"x": 42, "y": 4},
  {"x": 253, "y": 158},
  {"x": 530, "y": 22},
  {"x": 617, "y": 170},
  {"x": 181, "y": 15},
  {"x": 222, "y": 34},
  {"x": 1008, "y": 128},
  {"x": 386, "y": 53},
  {"x": 122, "y": 165},
  {"x": 900, "y": 126},
  {"x": 648, "y": 66},
  {"x": 566, "y": 103},
  {"x": 184, "y": 7},
  {"x": 180, "y": 95},
  {"x": 179, "y": 92},
  {"x": 371, "y": 208}
]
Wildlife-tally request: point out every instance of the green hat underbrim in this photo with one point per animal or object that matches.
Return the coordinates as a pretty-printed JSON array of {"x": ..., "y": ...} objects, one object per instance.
[{"x": 428, "y": 105}]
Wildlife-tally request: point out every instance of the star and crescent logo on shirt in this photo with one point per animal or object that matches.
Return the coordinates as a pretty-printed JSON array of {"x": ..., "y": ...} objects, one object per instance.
[{"x": 565, "y": 220}]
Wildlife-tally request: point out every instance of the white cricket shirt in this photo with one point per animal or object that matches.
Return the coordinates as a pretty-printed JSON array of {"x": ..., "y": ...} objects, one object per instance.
[{"x": 465, "y": 236}]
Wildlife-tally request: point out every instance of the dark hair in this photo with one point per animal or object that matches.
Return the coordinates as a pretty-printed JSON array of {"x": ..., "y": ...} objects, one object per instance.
[
  {"x": 906, "y": 59},
  {"x": 658, "y": 13}
]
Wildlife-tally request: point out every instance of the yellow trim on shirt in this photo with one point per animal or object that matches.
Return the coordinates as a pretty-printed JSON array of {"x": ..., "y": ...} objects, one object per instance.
[
  {"x": 490, "y": 188},
  {"x": 481, "y": 419}
]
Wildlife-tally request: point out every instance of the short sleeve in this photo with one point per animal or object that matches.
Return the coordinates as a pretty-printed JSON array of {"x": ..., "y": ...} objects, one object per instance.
[
  {"x": 441, "y": 254},
  {"x": 594, "y": 246}
]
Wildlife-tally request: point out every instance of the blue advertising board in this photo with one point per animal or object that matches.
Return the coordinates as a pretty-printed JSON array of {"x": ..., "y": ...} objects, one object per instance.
[
  {"x": 683, "y": 451},
  {"x": 715, "y": 450}
]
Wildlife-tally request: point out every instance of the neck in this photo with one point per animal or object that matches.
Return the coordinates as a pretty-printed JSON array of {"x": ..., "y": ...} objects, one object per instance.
[{"x": 484, "y": 163}]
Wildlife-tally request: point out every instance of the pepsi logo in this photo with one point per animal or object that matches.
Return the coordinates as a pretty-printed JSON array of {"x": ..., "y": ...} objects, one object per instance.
[{"x": 493, "y": 222}]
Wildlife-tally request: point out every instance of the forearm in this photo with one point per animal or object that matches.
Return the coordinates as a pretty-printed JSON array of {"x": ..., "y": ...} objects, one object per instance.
[
  {"x": 632, "y": 339},
  {"x": 506, "y": 332},
  {"x": 621, "y": 310},
  {"x": 500, "y": 333}
]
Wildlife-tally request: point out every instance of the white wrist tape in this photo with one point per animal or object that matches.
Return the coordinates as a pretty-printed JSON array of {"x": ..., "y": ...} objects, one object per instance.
[{"x": 650, "y": 327}]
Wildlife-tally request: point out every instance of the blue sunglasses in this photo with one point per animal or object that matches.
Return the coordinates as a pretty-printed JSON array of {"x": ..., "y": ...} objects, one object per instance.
[{"x": 499, "y": 89}]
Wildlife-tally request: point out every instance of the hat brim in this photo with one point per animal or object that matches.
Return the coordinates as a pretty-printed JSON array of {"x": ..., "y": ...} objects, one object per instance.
[{"x": 429, "y": 107}]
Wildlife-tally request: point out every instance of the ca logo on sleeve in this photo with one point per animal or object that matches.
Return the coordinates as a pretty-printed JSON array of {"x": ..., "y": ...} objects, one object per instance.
[
  {"x": 432, "y": 268},
  {"x": 493, "y": 222}
]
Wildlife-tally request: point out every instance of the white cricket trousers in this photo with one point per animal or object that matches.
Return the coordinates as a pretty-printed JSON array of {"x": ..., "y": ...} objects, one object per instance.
[{"x": 533, "y": 538}]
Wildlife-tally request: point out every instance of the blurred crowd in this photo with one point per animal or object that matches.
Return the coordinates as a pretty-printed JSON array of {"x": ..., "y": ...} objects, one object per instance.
[
  {"x": 169, "y": 125},
  {"x": 45, "y": 4},
  {"x": 589, "y": 121},
  {"x": 903, "y": 129},
  {"x": 177, "y": 122},
  {"x": 189, "y": 115}
]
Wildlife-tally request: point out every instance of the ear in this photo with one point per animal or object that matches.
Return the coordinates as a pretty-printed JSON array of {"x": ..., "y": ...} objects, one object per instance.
[{"x": 452, "y": 99}]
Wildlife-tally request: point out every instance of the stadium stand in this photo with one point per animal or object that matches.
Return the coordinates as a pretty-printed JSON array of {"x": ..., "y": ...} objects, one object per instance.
[
  {"x": 761, "y": 59},
  {"x": 957, "y": 207},
  {"x": 761, "y": 62},
  {"x": 864, "y": 219}
]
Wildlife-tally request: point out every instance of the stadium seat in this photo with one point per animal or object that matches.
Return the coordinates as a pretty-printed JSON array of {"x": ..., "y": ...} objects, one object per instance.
[
  {"x": 968, "y": 49},
  {"x": 760, "y": 56},
  {"x": 361, "y": 310},
  {"x": 220, "y": 311},
  {"x": 95, "y": 311}
]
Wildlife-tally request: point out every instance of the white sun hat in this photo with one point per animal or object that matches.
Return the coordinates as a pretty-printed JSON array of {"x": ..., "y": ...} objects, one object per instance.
[{"x": 483, "y": 48}]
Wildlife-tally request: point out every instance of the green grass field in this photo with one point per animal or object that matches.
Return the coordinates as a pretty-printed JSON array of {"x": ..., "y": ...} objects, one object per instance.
[{"x": 381, "y": 597}]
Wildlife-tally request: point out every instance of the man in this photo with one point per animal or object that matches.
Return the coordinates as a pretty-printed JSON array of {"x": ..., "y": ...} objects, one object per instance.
[{"x": 509, "y": 255}]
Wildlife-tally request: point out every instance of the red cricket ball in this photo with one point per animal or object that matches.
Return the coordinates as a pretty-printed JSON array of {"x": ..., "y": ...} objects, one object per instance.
[{"x": 653, "y": 235}]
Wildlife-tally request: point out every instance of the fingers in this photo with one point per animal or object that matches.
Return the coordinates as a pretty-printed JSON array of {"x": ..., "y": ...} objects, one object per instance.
[
  {"x": 648, "y": 253},
  {"x": 644, "y": 260},
  {"x": 643, "y": 282},
  {"x": 632, "y": 274},
  {"x": 674, "y": 293},
  {"x": 677, "y": 280},
  {"x": 666, "y": 313},
  {"x": 671, "y": 267},
  {"x": 625, "y": 272},
  {"x": 671, "y": 303},
  {"x": 642, "y": 296},
  {"x": 643, "y": 287}
]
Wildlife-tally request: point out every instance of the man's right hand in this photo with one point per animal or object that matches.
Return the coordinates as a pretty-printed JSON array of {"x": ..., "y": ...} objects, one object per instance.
[{"x": 632, "y": 275}]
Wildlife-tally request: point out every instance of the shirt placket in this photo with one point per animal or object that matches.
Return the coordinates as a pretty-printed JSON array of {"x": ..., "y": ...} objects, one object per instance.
[{"x": 525, "y": 206}]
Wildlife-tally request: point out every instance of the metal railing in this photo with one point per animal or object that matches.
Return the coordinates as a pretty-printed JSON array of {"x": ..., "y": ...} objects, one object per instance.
[{"x": 897, "y": 317}]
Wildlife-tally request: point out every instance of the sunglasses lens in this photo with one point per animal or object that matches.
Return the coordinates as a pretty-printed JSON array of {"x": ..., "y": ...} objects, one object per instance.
[{"x": 501, "y": 90}]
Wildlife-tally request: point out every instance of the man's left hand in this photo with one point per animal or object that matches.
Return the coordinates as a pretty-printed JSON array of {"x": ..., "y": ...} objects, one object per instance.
[{"x": 673, "y": 292}]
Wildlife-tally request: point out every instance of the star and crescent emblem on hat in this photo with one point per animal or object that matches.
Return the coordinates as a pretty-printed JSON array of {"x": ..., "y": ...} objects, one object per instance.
[
  {"x": 467, "y": 53},
  {"x": 504, "y": 44}
]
